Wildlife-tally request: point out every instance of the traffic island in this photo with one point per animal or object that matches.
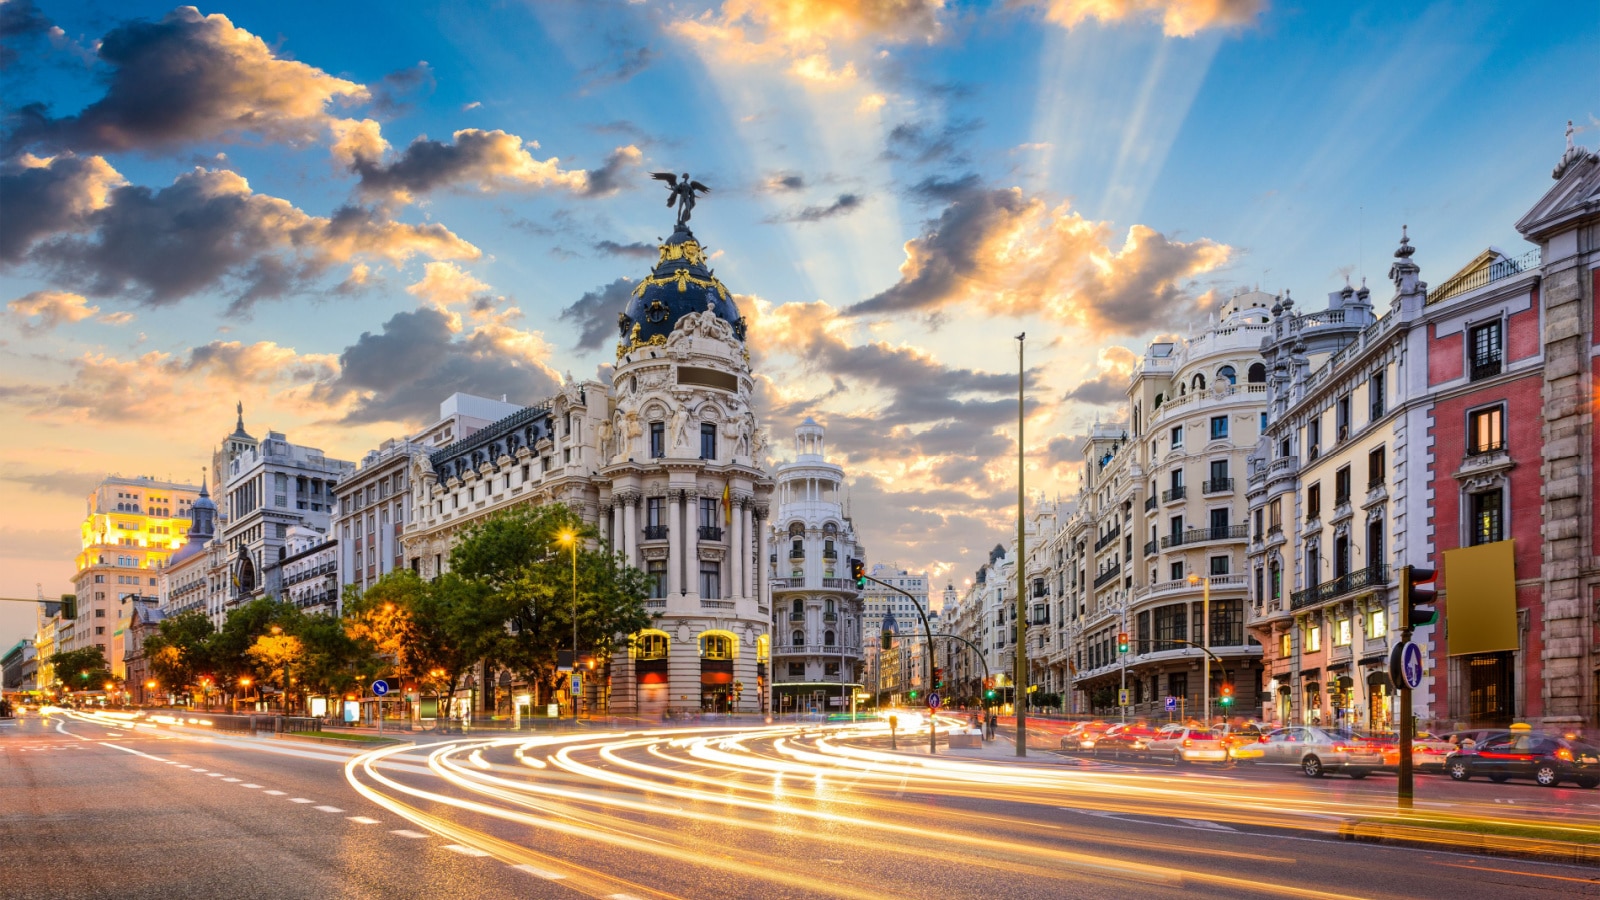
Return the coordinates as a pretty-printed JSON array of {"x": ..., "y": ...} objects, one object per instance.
[
  {"x": 339, "y": 737},
  {"x": 1551, "y": 843}
]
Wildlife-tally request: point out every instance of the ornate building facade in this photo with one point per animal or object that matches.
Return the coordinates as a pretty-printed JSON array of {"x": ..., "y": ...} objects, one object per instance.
[{"x": 665, "y": 461}]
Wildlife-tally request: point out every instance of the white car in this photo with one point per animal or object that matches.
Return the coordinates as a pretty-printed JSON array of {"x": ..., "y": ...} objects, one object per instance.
[
  {"x": 1316, "y": 752},
  {"x": 1182, "y": 744}
]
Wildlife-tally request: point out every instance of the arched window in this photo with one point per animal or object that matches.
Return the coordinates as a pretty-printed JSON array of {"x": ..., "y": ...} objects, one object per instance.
[
  {"x": 830, "y": 529},
  {"x": 651, "y": 644},
  {"x": 1258, "y": 373},
  {"x": 827, "y": 638},
  {"x": 1159, "y": 399},
  {"x": 1199, "y": 382},
  {"x": 718, "y": 645},
  {"x": 1136, "y": 420},
  {"x": 763, "y": 648},
  {"x": 798, "y": 608},
  {"x": 798, "y": 638},
  {"x": 828, "y": 605},
  {"x": 1226, "y": 373},
  {"x": 797, "y": 529}
]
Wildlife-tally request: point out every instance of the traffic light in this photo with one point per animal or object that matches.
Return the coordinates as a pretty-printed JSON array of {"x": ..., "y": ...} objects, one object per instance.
[
  {"x": 888, "y": 639},
  {"x": 912, "y": 694},
  {"x": 1226, "y": 698},
  {"x": 938, "y": 677},
  {"x": 858, "y": 571},
  {"x": 1417, "y": 597},
  {"x": 1122, "y": 642},
  {"x": 69, "y": 606},
  {"x": 989, "y": 694}
]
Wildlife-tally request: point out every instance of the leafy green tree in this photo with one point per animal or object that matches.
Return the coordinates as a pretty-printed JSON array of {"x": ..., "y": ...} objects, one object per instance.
[
  {"x": 84, "y": 669},
  {"x": 230, "y": 657},
  {"x": 332, "y": 662},
  {"x": 181, "y": 650},
  {"x": 539, "y": 564}
]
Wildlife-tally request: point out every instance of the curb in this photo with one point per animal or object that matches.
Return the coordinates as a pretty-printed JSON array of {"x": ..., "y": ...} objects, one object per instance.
[
  {"x": 1469, "y": 842},
  {"x": 305, "y": 739}
]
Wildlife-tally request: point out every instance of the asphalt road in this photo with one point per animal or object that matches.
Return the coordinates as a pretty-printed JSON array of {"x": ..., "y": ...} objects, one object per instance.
[{"x": 88, "y": 810}]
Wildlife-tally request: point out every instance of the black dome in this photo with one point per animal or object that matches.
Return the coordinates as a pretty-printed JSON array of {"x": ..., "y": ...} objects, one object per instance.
[{"x": 680, "y": 284}]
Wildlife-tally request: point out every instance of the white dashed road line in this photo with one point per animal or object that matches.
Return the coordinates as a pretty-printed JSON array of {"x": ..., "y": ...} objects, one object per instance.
[
  {"x": 252, "y": 787},
  {"x": 362, "y": 820},
  {"x": 542, "y": 873},
  {"x": 300, "y": 800},
  {"x": 328, "y": 809},
  {"x": 233, "y": 780},
  {"x": 213, "y": 774},
  {"x": 408, "y": 833},
  {"x": 464, "y": 850},
  {"x": 273, "y": 793}
]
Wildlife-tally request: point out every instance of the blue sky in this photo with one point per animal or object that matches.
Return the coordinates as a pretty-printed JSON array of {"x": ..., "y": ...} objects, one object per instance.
[{"x": 898, "y": 187}]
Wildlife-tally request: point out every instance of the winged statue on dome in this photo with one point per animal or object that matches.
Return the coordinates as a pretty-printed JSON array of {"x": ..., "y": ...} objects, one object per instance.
[{"x": 681, "y": 192}]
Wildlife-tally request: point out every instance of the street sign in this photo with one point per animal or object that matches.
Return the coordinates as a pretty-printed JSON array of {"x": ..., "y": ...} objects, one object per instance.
[
  {"x": 934, "y": 700},
  {"x": 1122, "y": 696},
  {"x": 577, "y": 683},
  {"x": 1172, "y": 704},
  {"x": 1405, "y": 664},
  {"x": 380, "y": 687}
]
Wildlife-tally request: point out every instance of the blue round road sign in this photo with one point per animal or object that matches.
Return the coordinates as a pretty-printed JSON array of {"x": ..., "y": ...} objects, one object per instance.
[
  {"x": 934, "y": 700},
  {"x": 380, "y": 687},
  {"x": 1405, "y": 664}
]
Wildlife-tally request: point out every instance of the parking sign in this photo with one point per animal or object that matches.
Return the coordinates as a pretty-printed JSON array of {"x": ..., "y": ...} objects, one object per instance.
[{"x": 1172, "y": 704}]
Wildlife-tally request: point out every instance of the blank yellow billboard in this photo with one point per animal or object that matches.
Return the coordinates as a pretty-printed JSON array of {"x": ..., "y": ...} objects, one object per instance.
[{"x": 1480, "y": 610}]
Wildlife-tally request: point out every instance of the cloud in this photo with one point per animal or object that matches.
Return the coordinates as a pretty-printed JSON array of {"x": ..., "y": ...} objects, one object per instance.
[
  {"x": 71, "y": 482},
  {"x": 621, "y": 65},
  {"x": 205, "y": 231},
  {"x": 923, "y": 144},
  {"x": 934, "y": 189},
  {"x": 19, "y": 21},
  {"x": 1110, "y": 384},
  {"x": 1179, "y": 18},
  {"x": 445, "y": 284},
  {"x": 43, "y": 311},
  {"x": 486, "y": 161},
  {"x": 842, "y": 205},
  {"x": 393, "y": 94},
  {"x": 636, "y": 249},
  {"x": 595, "y": 313},
  {"x": 781, "y": 182},
  {"x": 420, "y": 358},
  {"x": 51, "y": 195},
  {"x": 809, "y": 38},
  {"x": 1012, "y": 254},
  {"x": 190, "y": 78}
]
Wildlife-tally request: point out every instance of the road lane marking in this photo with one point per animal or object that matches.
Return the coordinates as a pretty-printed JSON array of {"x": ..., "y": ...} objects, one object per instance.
[
  {"x": 623, "y": 897},
  {"x": 233, "y": 780},
  {"x": 1516, "y": 872},
  {"x": 362, "y": 820},
  {"x": 213, "y": 774},
  {"x": 465, "y": 851},
  {"x": 196, "y": 769},
  {"x": 252, "y": 787},
  {"x": 1208, "y": 825},
  {"x": 408, "y": 833},
  {"x": 274, "y": 793},
  {"x": 542, "y": 873},
  {"x": 328, "y": 809},
  {"x": 300, "y": 800}
]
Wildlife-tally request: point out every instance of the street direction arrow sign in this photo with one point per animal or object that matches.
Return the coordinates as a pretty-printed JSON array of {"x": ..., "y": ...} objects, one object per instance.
[
  {"x": 934, "y": 700},
  {"x": 1406, "y": 664},
  {"x": 380, "y": 687}
]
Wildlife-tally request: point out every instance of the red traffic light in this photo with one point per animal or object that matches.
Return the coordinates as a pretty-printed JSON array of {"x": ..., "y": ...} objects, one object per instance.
[{"x": 1418, "y": 597}]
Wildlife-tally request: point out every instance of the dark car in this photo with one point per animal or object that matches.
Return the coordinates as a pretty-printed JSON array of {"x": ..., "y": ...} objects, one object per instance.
[
  {"x": 1548, "y": 759},
  {"x": 1472, "y": 738}
]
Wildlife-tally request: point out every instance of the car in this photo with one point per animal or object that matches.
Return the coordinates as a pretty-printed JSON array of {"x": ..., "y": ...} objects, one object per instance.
[
  {"x": 1184, "y": 743},
  {"x": 1084, "y": 735},
  {"x": 1548, "y": 759},
  {"x": 1126, "y": 739},
  {"x": 1473, "y": 737},
  {"x": 1316, "y": 751},
  {"x": 1236, "y": 736},
  {"x": 1428, "y": 751}
]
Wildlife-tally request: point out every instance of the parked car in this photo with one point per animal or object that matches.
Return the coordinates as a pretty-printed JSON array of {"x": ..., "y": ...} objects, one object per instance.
[
  {"x": 1473, "y": 737},
  {"x": 1548, "y": 759},
  {"x": 1183, "y": 743},
  {"x": 1428, "y": 751},
  {"x": 1084, "y": 735},
  {"x": 1316, "y": 751},
  {"x": 1125, "y": 739}
]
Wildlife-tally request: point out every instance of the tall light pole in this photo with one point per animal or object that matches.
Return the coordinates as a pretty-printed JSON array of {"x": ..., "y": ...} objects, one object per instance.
[
  {"x": 569, "y": 538},
  {"x": 1205, "y": 640},
  {"x": 1020, "y": 668}
]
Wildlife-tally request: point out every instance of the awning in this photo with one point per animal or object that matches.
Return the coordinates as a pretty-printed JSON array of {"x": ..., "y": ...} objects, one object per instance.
[
  {"x": 1379, "y": 679},
  {"x": 1310, "y": 673},
  {"x": 1481, "y": 598},
  {"x": 1338, "y": 666},
  {"x": 652, "y": 678},
  {"x": 708, "y": 677},
  {"x": 1375, "y": 659}
]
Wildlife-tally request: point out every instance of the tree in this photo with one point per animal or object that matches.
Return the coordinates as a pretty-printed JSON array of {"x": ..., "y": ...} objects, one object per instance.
[
  {"x": 273, "y": 655},
  {"x": 180, "y": 650},
  {"x": 332, "y": 662},
  {"x": 519, "y": 558},
  {"x": 230, "y": 657},
  {"x": 83, "y": 669}
]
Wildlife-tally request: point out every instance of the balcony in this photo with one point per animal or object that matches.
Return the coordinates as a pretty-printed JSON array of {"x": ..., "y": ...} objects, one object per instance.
[
  {"x": 1174, "y": 493},
  {"x": 1360, "y": 579},
  {"x": 1201, "y": 535},
  {"x": 1487, "y": 367},
  {"x": 1150, "y": 503},
  {"x": 710, "y": 533},
  {"x": 1107, "y": 575},
  {"x": 655, "y": 532},
  {"x": 837, "y": 583},
  {"x": 830, "y": 555},
  {"x": 1217, "y": 486},
  {"x": 718, "y": 604},
  {"x": 797, "y": 553},
  {"x": 1149, "y": 548},
  {"x": 1107, "y": 538},
  {"x": 1497, "y": 445},
  {"x": 797, "y": 617}
]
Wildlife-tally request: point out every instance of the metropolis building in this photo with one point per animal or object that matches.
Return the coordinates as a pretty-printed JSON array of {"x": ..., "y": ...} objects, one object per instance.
[{"x": 665, "y": 462}]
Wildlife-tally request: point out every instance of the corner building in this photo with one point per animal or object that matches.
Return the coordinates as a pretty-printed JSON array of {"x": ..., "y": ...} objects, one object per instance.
[{"x": 665, "y": 462}]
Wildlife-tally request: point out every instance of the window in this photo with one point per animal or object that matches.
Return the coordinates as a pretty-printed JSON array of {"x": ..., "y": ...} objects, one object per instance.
[
  {"x": 656, "y": 569},
  {"x": 708, "y": 511},
  {"x": 797, "y": 670},
  {"x": 1313, "y": 439},
  {"x": 1341, "y": 486},
  {"x": 1263, "y": 421},
  {"x": 716, "y": 646},
  {"x": 658, "y": 440},
  {"x": 827, "y": 638},
  {"x": 1219, "y": 427},
  {"x": 797, "y": 638},
  {"x": 1285, "y": 645},
  {"x": 1342, "y": 416},
  {"x": 1376, "y": 396},
  {"x": 1485, "y": 349},
  {"x": 654, "y": 515},
  {"x": 1226, "y": 373},
  {"x": 710, "y": 580},
  {"x": 1313, "y": 501},
  {"x": 1487, "y": 525},
  {"x": 99, "y": 614},
  {"x": 1176, "y": 570},
  {"x": 1377, "y": 468},
  {"x": 708, "y": 440},
  {"x": 1341, "y": 632},
  {"x": 1219, "y": 565},
  {"x": 1486, "y": 431},
  {"x": 1275, "y": 515},
  {"x": 831, "y": 670},
  {"x": 1219, "y": 476},
  {"x": 651, "y": 645},
  {"x": 1177, "y": 437},
  {"x": 1377, "y": 623},
  {"x": 1313, "y": 638}
]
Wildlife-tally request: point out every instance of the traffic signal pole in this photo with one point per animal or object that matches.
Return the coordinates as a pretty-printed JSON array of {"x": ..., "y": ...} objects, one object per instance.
[
  {"x": 1404, "y": 773},
  {"x": 1020, "y": 677},
  {"x": 859, "y": 571}
]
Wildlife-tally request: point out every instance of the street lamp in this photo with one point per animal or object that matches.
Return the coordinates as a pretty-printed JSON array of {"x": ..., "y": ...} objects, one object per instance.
[
  {"x": 244, "y": 683},
  {"x": 569, "y": 538},
  {"x": 1205, "y": 641}
]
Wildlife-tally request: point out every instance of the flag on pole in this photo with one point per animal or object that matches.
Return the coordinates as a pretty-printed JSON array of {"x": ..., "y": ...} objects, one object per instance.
[{"x": 727, "y": 504}]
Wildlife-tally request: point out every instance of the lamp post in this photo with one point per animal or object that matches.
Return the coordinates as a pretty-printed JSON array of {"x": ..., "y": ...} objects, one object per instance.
[
  {"x": 1020, "y": 648},
  {"x": 149, "y": 689},
  {"x": 569, "y": 538},
  {"x": 1205, "y": 640}
]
